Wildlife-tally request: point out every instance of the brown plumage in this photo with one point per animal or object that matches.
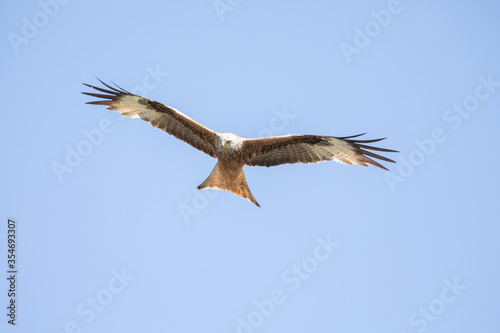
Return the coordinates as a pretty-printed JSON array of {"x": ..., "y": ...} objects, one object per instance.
[{"x": 232, "y": 151}]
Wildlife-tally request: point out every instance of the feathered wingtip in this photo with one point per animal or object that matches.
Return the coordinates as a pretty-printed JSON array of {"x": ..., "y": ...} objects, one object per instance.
[
  {"x": 362, "y": 148},
  {"x": 112, "y": 93}
]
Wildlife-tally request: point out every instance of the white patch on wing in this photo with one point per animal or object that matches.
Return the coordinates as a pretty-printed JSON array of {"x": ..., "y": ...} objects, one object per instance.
[
  {"x": 342, "y": 151},
  {"x": 130, "y": 106},
  {"x": 324, "y": 152}
]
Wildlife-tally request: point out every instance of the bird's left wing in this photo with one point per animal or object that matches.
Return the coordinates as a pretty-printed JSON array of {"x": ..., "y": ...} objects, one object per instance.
[
  {"x": 158, "y": 115},
  {"x": 295, "y": 148}
]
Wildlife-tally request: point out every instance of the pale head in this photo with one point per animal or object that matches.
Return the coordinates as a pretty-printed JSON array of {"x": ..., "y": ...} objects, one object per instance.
[{"x": 229, "y": 140}]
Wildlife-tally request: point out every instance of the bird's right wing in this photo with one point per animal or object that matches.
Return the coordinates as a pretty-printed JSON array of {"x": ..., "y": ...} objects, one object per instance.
[
  {"x": 296, "y": 148},
  {"x": 158, "y": 115}
]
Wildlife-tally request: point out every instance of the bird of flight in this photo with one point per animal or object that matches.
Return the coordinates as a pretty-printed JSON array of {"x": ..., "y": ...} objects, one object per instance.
[{"x": 234, "y": 152}]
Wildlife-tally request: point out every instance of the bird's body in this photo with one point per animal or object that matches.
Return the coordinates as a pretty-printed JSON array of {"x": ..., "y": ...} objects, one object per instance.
[
  {"x": 228, "y": 172},
  {"x": 234, "y": 152},
  {"x": 229, "y": 150}
]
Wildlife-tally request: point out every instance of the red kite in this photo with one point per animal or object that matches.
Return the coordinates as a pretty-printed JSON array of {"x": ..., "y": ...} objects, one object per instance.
[{"x": 234, "y": 152}]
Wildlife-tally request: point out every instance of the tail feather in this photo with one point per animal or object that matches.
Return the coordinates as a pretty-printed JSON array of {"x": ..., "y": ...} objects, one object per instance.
[
  {"x": 235, "y": 183},
  {"x": 219, "y": 179},
  {"x": 239, "y": 186}
]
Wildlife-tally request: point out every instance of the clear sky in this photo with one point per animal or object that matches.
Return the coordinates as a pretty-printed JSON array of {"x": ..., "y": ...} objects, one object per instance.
[{"x": 112, "y": 235}]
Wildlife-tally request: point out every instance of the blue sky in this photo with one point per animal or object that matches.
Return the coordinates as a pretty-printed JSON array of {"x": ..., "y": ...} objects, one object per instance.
[{"x": 120, "y": 240}]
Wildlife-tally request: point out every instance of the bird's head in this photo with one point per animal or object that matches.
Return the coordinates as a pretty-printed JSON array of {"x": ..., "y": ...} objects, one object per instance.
[{"x": 229, "y": 140}]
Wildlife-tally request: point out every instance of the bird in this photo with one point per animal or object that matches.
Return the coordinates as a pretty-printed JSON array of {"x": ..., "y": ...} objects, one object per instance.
[{"x": 234, "y": 152}]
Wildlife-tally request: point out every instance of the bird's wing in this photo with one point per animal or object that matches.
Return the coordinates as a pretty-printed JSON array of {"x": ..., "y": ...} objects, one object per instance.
[
  {"x": 158, "y": 115},
  {"x": 295, "y": 148}
]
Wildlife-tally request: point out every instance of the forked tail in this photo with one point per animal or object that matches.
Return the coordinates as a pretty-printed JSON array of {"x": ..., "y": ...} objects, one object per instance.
[{"x": 234, "y": 182}]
